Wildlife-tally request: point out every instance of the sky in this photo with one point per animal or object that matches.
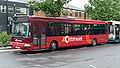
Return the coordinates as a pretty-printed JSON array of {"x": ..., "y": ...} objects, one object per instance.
[{"x": 79, "y": 3}]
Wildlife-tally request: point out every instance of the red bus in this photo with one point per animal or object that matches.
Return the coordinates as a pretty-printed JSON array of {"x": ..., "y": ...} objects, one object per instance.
[{"x": 38, "y": 33}]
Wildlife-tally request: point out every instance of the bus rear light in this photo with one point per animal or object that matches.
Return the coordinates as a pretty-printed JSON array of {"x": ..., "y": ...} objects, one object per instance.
[{"x": 26, "y": 45}]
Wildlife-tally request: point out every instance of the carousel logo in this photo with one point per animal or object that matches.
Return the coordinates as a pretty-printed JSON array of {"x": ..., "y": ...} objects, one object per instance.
[{"x": 68, "y": 39}]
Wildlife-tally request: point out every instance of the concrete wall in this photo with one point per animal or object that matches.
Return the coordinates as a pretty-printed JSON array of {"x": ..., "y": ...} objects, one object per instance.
[{"x": 3, "y": 22}]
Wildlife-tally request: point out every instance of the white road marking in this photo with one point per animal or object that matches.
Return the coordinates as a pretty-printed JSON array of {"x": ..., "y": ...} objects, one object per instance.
[{"x": 93, "y": 66}]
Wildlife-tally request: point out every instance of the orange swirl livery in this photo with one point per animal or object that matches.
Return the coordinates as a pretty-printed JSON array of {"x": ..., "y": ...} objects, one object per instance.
[{"x": 88, "y": 39}]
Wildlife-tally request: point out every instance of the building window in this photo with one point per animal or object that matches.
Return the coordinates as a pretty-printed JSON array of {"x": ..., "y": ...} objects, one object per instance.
[
  {"x": 10, "y": 9},
  {"x": 70, "y": 12},
  {"x": 27, "y": 12},
  {"x": 66, "y": 12},
  {"x": 80, "y": 14},
  {"x": 20, "y": 10},
  {"x": 43, "y": 12},
  {"x": 2, "y": 8},
  {"x": 76, "y": 13},
  {"x": 17, "y": 9}
]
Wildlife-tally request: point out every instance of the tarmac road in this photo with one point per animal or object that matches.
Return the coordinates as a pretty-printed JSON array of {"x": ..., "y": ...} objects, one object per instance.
[{"x": 101, "y": 56}]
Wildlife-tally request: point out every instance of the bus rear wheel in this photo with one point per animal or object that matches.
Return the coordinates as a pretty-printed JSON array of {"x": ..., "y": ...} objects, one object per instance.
[
  {"x": 53, "y": 46},
  {"x": 94, "y": 42}
]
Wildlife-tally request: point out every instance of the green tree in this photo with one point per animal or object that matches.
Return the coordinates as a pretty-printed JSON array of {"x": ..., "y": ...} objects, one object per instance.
[
  {"x": 52, "y": 8},
  {"x": 4, "y": 39},
  {"x": 103, "y": 9}
]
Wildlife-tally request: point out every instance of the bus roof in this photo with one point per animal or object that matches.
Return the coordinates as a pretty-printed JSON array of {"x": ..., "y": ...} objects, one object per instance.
[{"x": 63, "y": 19}]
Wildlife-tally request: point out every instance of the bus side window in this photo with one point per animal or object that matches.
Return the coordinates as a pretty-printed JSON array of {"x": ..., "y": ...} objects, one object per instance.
[
  {"x": 70, "y": 29},
  {"x": 77, "y": 29},
  {"x": 51, "y": 29},
  {"x": 63, "y": 29}
]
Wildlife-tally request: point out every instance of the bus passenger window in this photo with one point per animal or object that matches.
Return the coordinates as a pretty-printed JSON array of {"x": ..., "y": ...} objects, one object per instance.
[{"x": 51, "y": 29}]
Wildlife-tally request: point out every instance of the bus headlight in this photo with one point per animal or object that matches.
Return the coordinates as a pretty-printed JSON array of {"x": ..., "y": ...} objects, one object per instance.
[{"x": 27, "y": 45}]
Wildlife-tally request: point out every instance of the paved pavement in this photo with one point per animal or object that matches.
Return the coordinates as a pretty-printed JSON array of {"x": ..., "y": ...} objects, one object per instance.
[{"x": 7, "y": 49}]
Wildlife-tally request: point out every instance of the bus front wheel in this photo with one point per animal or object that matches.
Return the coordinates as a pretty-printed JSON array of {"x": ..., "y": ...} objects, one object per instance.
[
  {"x": 53, "y": 46},
  {"x": 94, "y": 42}
]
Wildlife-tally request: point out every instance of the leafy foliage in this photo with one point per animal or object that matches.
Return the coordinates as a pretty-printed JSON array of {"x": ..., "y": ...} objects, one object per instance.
[
  {"x": 52, "y": 8},
  {"x": 103, "y": 9},
  {"x": 4, "y": 39}
]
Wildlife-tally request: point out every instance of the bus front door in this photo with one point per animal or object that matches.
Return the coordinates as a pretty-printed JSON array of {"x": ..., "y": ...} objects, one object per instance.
[
  {"x": 117, "y": 32},
  {"x": 38, "y": 35}
]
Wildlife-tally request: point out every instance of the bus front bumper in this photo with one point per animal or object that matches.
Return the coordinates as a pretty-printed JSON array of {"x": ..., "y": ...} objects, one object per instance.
[{"x": 23, "y": 46}]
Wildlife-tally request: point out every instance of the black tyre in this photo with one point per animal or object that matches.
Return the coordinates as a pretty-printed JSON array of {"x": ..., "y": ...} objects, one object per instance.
[
  {"x": 53, "y": 46},
  {"x": 94, "y": 42}
]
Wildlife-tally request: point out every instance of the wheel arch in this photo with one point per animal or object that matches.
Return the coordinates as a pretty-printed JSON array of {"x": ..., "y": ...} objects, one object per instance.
[
  {"x": 92, "y": 43},
  {"x": 94, "y": 39},
  {"x": 55, "y": 42}
]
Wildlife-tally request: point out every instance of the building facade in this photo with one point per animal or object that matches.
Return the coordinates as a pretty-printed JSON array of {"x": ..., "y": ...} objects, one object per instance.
[
  {"x": 71, "y": 11},
  {"x": 9, "y": 9}
]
